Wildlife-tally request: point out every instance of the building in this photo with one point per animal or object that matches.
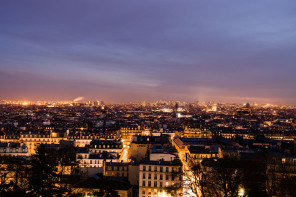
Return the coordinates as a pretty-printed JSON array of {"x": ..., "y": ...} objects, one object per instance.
[
  {"x": 94, "y": 163},
  {"x": 33, "y": 139},
  {"x": 14, "y": 149},
  {"x": 99, "y": 146},
  {"x": 157, "y": 176},
  {"x": 122, "y": 171}
]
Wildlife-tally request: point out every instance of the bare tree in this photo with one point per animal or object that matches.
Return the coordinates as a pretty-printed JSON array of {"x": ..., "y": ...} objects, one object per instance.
[{"x": 221, "y": 178}]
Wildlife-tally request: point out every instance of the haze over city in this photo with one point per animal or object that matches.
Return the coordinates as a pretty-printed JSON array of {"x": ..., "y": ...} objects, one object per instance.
[{"x": 225, "y": 51}]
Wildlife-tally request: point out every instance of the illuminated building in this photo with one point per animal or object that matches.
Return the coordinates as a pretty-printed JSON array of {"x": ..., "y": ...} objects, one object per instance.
[
  {"x": 33, "y": 139},
  {"x": 156, "y": 176},
  {"x": 99, "y": 146},
  {"x": 122, "y": 170},
  {"x": 13, "y": 149},
  {"x": 93, "y": 163},
  {"x": 141, "y": 145},
  {"x": 191, "y": 132},
  {"x": 127, "y": 134}
]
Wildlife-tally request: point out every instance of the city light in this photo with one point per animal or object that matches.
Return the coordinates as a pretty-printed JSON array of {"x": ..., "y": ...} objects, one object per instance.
[
  {"x": 241, "y": 192},
  {"x": 163, "y": 194}
]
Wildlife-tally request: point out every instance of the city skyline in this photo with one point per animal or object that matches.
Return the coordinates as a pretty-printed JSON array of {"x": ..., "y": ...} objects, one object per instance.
[{"x": 226, "y": 51}]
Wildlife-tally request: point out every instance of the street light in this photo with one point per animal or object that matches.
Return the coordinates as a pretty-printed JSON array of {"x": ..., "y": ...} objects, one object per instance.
[{"x": 241, "y": 192}]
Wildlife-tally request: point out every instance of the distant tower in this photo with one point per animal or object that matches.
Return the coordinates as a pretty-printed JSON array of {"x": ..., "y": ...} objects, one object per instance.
[
  {"x": 196, "y": 103},
  {"x": 144, "y": 104},
  {"x": 214, "y": 107},
  {"x": 176, "y": 106},
  {"x": 248, "y": 105},
  {"x": 96, "y": 103}
]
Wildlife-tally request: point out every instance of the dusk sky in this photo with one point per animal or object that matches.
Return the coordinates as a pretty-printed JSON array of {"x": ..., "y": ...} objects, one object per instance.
[{"x": 135, "y": 50}]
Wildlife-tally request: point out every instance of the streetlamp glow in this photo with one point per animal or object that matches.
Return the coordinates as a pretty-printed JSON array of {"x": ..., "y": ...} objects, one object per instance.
[
  {"x": 241, "y": 192},
  {"x": 163, "y": 194}
]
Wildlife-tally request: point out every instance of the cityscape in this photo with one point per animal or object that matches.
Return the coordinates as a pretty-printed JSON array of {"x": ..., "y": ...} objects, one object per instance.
[
  {"x": 157, "y": 98},
  {"x": 165, "y": 148}
]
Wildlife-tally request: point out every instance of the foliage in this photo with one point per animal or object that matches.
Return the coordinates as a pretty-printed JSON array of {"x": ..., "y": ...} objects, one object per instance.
[
  {"x": 105, "y": 193},
  {"x": 44, "y": 179}
]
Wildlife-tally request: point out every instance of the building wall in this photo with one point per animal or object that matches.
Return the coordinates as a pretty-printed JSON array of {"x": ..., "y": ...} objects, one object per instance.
[
  {"x": 133, "y": 175},
  {"x": 138, "y": 151},
  {"x": 153, "y": 179},
  {"x": 162, "y": 156}
]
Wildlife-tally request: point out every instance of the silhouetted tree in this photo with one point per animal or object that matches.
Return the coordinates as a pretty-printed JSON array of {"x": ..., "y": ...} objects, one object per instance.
[
  {"x": 254, "y": 176},
  {"x": 44, "y": 179},
  {"x": 106, "y": 189},
  {"x": 281, "y": 180},
  {"x": 12, "y": 176},
  {"x": 106, "y": 193},
  {"x": 221, "y": 178}
]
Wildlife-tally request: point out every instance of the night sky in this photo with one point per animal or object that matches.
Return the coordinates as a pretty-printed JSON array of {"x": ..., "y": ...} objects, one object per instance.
[{"x": 135, "y": 50}]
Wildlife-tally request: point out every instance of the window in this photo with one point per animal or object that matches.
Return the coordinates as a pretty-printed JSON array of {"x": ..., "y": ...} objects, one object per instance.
[
  {"x": 149, "y": 176},
  {"x": 160, "y": 184},
  {"x": 144, "y": 176},
  {"x": 155, "y": 176},
  {"x": 283, "y": 160},
  {"x": 160, "y": 177},
  {"x": 149, "y": 168},
  {"x": 149, "y": 183},
  {"x": 161, "y": 168},
  {"x": 144, "y": 168},
  {"x": 155, "y": 184},
  {"x": 167, "y": 169},
  {"x": 143, "y": 184}
]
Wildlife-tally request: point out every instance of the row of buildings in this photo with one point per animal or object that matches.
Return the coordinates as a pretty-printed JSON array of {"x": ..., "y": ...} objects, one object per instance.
[{"x": 147, "y": 151}]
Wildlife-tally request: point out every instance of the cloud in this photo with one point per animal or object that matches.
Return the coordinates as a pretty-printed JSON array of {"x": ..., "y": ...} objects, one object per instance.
[{"x": 135, "y": 50}]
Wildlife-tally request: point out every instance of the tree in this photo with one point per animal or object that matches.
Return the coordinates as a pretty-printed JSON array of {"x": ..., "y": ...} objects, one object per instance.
[
  {"x": 4, "y": 177},
  {"x": 287, "y": 186},
  {"x": 176, "y": 188},
  {"x": 106, "y": 193},
  {"x": 281, "y": 178},
  {"x": 254, "y": 176},
  {"x": 67, "y": 158},
  {"x": 106, "y": 189},
  {"x": 221, "y": 178},
  {"x": 43, "y": 178},
  {"x": 13, "y": 176}
]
